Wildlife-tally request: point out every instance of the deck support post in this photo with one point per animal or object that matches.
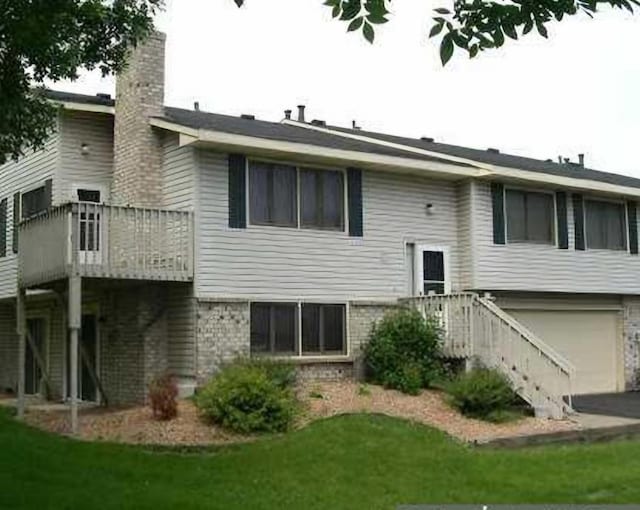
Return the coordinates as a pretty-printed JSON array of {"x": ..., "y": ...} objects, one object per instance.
[
  {"x": 75, "y": 321},
  {"x": 21, "y": 330}
]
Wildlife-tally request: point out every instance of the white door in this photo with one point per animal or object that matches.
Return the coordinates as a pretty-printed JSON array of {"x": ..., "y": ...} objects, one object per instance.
[
  {"x": 91, "y": 233},
  {"x": 587, "y": 338},
  {"x": 431, "y": 270}
]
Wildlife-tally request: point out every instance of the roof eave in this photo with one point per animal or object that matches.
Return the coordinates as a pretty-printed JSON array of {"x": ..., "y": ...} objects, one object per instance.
[{"x": 274, "y": 148}]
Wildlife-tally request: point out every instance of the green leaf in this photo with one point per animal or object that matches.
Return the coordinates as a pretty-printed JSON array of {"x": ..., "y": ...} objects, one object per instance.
[
  {"x": 509, "y": 29},
  {"x": 367, "y": 31},
  {"x": 336, "y": 11},
  {"x": 436, "y": 29},
  {"x": 350, "y": 9},
  {"x": 498, "y": 38},
  {"x": 528, "y": 27},
  {"x": 239, "y": 2},
  {"x": 473, "y": 51},
  {"x": 542, "y": 30},
  {"x": 376, "y": 19},
  {"x": 446, "y": 49},
  {"x": 355, "y": 24},
  {"x": 442, "y": 10}
]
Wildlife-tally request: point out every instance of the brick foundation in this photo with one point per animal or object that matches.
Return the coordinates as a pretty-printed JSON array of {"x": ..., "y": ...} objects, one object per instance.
[{"x": 631, "y": 336}]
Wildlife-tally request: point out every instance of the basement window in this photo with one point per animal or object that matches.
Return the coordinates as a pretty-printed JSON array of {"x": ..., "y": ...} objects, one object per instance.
[{"x": 298, "y": 329}]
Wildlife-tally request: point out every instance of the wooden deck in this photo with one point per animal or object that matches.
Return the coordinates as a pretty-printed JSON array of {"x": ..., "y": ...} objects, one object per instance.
[{"x": 104, "y": 241}]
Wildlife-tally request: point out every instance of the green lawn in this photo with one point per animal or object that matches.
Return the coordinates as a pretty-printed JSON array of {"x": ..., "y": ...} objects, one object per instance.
[{"x": 347, "y": 462}]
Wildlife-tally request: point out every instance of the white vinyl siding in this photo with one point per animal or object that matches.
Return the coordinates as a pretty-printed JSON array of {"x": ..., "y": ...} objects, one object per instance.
[
  {"x": 181, "y": 330},
  {"x": 545, "y": 267},
  {"x": 178, "y": 174},
  {"x": 289, "y": 263},
  {"x": 29, "y": 172},
  {"x": 88, "y": 170}
]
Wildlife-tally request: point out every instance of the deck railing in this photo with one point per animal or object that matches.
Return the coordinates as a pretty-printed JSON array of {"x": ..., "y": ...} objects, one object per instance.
[
  {"x": 475, "y": 328},
  {"x": 104, "y": 241}
]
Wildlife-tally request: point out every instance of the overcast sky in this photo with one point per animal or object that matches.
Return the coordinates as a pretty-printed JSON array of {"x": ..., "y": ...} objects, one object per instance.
[{"x": 576, "y": 92}]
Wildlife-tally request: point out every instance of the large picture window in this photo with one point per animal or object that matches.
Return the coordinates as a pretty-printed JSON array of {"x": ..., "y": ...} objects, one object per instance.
[
  {"x": 605, "y": 225},
  {"x": 275, "y": 331},
  {"x": 287, "y": 196},
  {"x": 529, "y": 217}
]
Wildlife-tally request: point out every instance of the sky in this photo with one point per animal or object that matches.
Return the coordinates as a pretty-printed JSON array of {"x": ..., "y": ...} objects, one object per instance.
[{"x": 576, "y": 92}]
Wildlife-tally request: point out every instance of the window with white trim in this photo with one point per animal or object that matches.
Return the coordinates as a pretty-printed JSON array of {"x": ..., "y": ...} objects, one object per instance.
[
  {"x": 298, "y": 329},
  {"x": 529, "y": 216},
  {"x": 288, "y": 196},
  {"x": 606, "y": 225}
]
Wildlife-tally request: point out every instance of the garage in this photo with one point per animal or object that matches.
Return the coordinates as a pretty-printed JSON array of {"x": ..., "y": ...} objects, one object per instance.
[{"x": 587, "y": 338}]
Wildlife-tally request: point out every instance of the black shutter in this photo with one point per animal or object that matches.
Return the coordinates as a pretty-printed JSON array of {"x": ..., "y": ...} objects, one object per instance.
[
  {"x": 48, "y": 193},
  {"x": 497, "y": 198},
  {"x": 563, "y": 231},
  {"x": 632, "y": 216},
  {"x": 16, "y": 222},
  {"x": 354, "y": 192},
  {"x": 3, "y": 228},
  {"x": 237, "y": 191},
  {"x": 578, "y": 220}
]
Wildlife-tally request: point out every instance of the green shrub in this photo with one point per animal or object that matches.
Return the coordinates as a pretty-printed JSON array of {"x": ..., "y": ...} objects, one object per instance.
[
  {"x": 403, "y": 352},
  {"x": 251, "y": 396},
  {"x": 483, "y": 393}
]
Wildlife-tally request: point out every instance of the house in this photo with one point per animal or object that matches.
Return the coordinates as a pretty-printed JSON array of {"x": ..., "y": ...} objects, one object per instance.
[{"x": 144, "y": 239}]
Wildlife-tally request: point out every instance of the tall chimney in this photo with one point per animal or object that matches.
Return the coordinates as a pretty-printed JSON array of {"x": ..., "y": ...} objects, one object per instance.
[
  {"x": 300, "y": 113},
  {"x": 581, "y": 160},
  {"x": 137, "y": 178}
]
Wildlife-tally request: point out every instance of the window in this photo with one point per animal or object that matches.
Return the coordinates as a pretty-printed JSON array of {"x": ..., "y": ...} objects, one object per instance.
[
  {"x": 287, "y": 196},
  {"x": 322, "y": 199},
  {"x": 274, "y": 328},
  {"x": 275, "y": 331},
  {"x": 529, "y": 217},
  {"x": 605, "y": 225},
  {"x": 433, "y": 277},
  {"x": 323, "y": 329},
  {"x": 33, "y": 202},
  {"x": 3, "y": 227},
  {"x": 273, "y": 194}
]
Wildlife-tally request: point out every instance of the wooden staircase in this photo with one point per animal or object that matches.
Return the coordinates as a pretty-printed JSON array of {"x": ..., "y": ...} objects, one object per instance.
[{"x": 474, "y": 328}]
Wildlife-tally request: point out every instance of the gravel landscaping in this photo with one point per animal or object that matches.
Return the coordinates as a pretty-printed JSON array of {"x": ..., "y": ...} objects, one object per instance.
[{"x": 322, "y": 400}]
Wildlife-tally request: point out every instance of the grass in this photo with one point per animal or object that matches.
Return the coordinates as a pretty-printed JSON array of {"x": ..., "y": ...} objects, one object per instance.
[{"x": 354, "y": 462}]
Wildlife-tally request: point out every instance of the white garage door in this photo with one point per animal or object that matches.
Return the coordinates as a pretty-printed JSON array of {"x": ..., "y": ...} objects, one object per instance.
[{"x": 586, "y": 338}]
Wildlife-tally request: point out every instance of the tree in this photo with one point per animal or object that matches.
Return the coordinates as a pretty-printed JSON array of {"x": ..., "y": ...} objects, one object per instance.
[
  {"x": 45, "y": 39},
  {"x": 473, "y": 25}
]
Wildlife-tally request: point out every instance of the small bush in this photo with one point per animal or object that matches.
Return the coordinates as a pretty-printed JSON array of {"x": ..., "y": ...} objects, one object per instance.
[
  {"x": 251, "y": 396},
  {"x": 403, "y": 352},
  {"x": 483, "y": 393},
  {"x": 163, "y": 394}
]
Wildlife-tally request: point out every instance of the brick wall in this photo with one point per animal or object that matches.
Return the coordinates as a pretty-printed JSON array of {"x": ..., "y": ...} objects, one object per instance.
[
  {"x": 223, "y": 334},
  {"x": 222, "y": 331},
  {"x": 134, "y": 341},
  {"x": 631, "y": 335},
  {"x": 137, "y": 148}
]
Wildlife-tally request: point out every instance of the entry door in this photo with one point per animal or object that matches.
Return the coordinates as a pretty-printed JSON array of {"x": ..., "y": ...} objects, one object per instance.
[
  {"x": 90, "y": 228},
  {"x": 87, "y": 390},
  {"x": 33, "y": 373},
  {"x": 431, "y": 270}
]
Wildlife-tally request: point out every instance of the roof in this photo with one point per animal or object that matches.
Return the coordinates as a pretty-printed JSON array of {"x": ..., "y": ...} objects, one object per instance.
[
  {"x": 292, "y": 133},
  {"x": 70, "y": 97},
  {"x": 491, "y": 157},
  {"x": 282, "y": 132}
]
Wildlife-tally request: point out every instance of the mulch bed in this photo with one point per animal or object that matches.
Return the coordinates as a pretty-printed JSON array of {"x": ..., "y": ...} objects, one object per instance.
[{"x": 137, "y": 426}]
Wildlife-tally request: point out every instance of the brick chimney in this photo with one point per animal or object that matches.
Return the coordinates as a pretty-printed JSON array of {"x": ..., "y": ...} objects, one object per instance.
[{"x": 137, "y": 148}]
